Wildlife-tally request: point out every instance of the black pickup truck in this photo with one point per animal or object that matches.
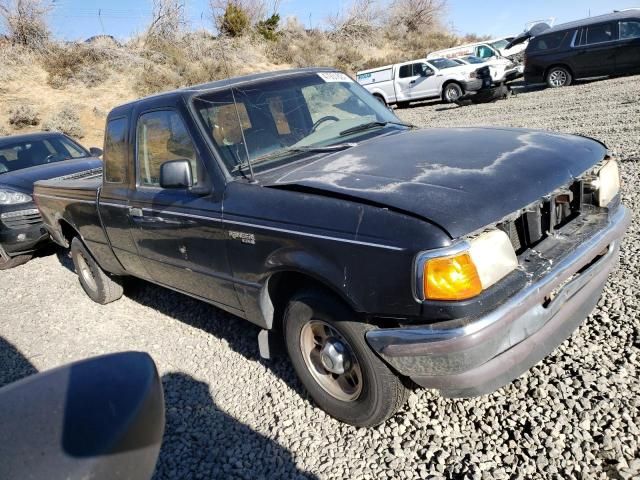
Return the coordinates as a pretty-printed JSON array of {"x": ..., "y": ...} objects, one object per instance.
[{"x": 379, "y": 252}]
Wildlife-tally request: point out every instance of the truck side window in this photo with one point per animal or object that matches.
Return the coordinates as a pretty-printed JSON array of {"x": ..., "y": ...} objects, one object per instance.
[
  {"x": 484, "y": 51},
  {"x": 599, "y": 33},
  {"x": 115, "y": 151},
  {"x": 162, "y": 137},
  {"x": 629, "y": 29},
  {"x": 405, "y": 71}
]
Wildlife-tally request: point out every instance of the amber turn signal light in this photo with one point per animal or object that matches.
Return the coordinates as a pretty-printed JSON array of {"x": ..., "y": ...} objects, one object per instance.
[{"x": 451, "y": 278}]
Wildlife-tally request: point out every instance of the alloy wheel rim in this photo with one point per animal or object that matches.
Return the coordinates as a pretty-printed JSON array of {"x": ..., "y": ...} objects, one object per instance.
[
  {"x": 452, "y": 93},
  {"x": 331, "y": 360},
  {"x": 86, "y": 272},
  {"x": 558, "y": 78}
]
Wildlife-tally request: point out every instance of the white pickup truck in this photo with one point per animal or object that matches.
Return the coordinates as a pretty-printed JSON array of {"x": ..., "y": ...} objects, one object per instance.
[{"x": 422, "y": 79}]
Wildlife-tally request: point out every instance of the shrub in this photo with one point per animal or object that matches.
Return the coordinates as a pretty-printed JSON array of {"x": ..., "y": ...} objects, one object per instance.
[
  {"x": 268, "y": 28},
  {"x": 24, "y": 116},
  {"x": 235, "y": 21},
  {"x": 80, "y": 62},
  {"x": 65, "y": 120},
  {"x": 26, "y": 21}
]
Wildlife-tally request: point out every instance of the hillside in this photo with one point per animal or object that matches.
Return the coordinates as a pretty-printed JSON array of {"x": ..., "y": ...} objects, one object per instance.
[{"x": 72, "y": 86}]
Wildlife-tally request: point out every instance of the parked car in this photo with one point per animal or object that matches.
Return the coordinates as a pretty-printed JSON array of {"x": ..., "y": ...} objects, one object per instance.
[
  {"x": 596, "y": 46},
  {"x": 501, "y": 69},
  {"x": 457, "y": 258},
  {"x": 406, "y": 82},
  {"x": 25, "y": 159}
]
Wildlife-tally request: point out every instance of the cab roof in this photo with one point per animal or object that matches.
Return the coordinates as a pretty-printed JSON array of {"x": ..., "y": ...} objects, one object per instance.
[
  {"x": 615, "y": 16},
  {"x": 225, "y": 83}
]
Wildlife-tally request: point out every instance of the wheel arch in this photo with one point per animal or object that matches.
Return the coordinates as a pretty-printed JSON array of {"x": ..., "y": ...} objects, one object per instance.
[
  {"x": 283, "y": 284},
  {"x": 449, "y": 82}
]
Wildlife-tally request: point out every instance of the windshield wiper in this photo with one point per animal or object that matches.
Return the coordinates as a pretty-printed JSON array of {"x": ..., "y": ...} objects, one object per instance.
[
  {"x": 369, "y": 125},
  {"x": 288, "y": 150}
]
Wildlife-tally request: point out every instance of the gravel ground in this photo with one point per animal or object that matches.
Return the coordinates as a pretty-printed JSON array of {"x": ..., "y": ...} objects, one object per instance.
[{"x": 232, "y": 415}]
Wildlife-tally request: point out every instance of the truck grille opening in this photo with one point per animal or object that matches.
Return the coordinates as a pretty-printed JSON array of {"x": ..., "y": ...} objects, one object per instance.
[
  {"x": 541, "y": 219},
  {"x": 25, "y": 219}
]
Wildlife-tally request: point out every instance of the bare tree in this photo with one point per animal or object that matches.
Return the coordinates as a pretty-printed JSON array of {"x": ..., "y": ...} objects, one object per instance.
[
  {"x": 358, "y": 21},
  {"x": 168, "y": 20},
  {"x": 25, "y": 21},
  {"x": 416, "y": 14}
]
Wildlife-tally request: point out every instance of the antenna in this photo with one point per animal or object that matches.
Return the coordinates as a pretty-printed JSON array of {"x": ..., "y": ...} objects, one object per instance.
[{"x": 235, "y": 104}]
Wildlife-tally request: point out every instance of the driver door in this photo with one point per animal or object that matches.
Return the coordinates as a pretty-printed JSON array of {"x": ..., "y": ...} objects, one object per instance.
[{"x": 415, "y": 80}]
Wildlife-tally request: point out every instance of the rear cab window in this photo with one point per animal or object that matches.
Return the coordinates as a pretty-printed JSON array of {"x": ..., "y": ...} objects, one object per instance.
[{"x": 115, "y": 151}]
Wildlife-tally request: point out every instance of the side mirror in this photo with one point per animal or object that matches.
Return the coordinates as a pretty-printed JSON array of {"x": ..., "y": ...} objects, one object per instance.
[
  {"x": 96, "y": 152},
  {"x": 176, "y": 174},
  {"x": 101, "y": 418}
]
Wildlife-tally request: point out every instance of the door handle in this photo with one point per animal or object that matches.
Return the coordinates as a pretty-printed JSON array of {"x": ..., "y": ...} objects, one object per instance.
[
  {"x": 135, "y": 212},
  {"x": 412, "y": 82}
]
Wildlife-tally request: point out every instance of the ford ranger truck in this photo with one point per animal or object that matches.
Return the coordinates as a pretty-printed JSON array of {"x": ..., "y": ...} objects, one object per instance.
[{"x": 378, "y": 252}]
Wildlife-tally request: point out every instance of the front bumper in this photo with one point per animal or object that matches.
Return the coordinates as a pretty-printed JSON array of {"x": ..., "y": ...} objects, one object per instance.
[
  {"x": 22, "y": 234},
  {"x": 470, "y": 357}
]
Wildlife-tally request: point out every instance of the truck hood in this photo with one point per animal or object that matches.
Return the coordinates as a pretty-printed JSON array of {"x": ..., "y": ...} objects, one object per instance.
[
  {"x": 23, "y": 180},
  {"x": 462, "y": 179}
]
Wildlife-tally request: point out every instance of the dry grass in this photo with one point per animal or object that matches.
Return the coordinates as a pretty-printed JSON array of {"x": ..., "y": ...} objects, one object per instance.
[
  {"x": 66, "y": 120},
  {"x": 24, "y": 115}
]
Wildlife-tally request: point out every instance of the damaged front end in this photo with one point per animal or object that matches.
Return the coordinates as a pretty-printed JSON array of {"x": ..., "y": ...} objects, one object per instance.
[{"x": 566, "y": 244}]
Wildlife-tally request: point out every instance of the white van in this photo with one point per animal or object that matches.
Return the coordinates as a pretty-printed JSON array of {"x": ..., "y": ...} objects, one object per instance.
[
  {"x": 422, "y": 79},
  {"x": 484, "y": 50}
]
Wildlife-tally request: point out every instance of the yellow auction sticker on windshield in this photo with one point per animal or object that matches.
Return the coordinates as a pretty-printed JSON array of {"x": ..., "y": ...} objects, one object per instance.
[{"x": 334, "y": 77}]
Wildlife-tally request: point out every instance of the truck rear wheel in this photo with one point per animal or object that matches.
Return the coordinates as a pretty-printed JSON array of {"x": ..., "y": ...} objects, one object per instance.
[
  {"x": 97, "y": 284},
  {"x": 329, "y": 352},
  {"x": 559, "y": 77}
]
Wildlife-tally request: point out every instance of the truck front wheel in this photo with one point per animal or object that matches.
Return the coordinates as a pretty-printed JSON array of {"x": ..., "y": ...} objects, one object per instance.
[
  {"x": 97, "y": 284},
  {"x": 329, "y": 353},
  {"x": 452, "y": 92}
]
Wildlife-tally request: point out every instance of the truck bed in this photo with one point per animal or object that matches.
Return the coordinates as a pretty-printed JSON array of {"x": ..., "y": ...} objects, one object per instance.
[
  {"x": 80, "y": 186},
  {"x": 71, "y": 202}
]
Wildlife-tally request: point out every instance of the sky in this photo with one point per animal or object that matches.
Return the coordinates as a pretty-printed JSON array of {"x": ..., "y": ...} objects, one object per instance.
[{"x": 80, "y": 19}]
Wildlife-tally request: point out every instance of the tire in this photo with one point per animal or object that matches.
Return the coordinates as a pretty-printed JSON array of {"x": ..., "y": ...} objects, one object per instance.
[
  {"x": 558, "y": 77},
  {"x": 14, "y": 262},
  {"x": 97, "y": 284},
  {"x": 452, "y": 92},
  {"x": 377, "y": 395}
]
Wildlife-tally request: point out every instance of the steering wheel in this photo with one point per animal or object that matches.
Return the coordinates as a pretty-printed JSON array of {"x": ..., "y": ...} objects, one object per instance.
[{"x": 322, "y": 120}]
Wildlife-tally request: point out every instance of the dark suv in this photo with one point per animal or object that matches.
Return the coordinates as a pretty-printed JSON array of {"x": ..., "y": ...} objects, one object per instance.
[{"x": 593, "y": 47}]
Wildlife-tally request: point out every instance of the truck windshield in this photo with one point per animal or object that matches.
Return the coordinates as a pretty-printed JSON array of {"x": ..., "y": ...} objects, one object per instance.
[
  {"x": 473, "y": 59},
  {"x": 276, "y": 121},
  {"x": 443, "y": 63},
  {"x": 18, "y": 155},
  {"x": 499, "y": 44}
]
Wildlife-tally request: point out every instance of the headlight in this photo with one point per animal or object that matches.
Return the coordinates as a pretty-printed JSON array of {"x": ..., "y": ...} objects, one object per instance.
[
  {"x": 9, "y": 197},
  {"x": 481, "y": 263},
  {"x": 608, "y": 183}
]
